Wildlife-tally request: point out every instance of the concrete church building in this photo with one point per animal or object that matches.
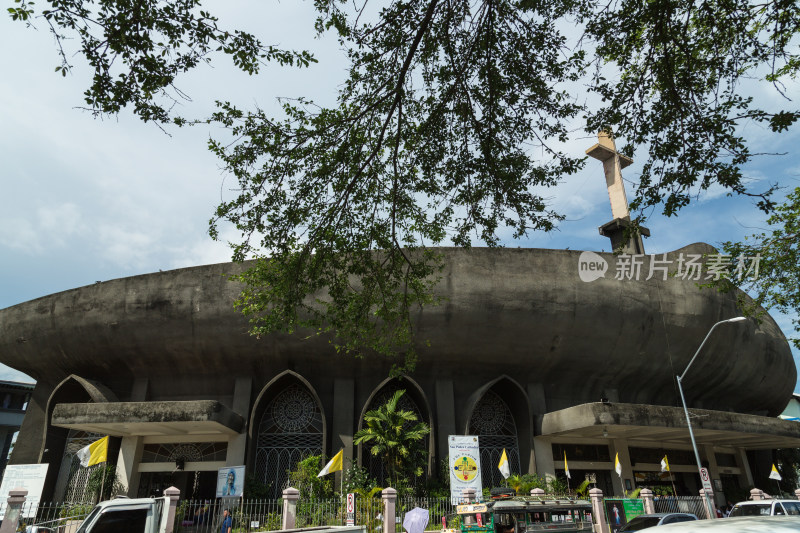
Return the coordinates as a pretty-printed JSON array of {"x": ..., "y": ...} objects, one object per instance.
[{"x": 540, "y": 352}]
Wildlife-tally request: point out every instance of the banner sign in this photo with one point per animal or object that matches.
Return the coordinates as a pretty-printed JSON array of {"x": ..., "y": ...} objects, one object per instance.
[
  {"x": 465, "y": 466},
  {"x": 28, "y": 477},
  {"x": 230, "y": 482}
]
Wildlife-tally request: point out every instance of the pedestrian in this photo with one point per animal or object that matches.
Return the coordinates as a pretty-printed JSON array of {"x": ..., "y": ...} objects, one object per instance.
[{"x": 227, "y": 522}]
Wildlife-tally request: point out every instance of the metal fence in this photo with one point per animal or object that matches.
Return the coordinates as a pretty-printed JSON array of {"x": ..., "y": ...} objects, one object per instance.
[
  {"x": 681, "y": 504},
  {"x": 265, "y": 515},
  {"x": 61, "y": 517}
]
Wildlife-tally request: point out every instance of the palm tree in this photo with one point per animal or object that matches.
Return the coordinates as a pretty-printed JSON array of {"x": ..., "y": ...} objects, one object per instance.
[{"x": 396, "y": 436}]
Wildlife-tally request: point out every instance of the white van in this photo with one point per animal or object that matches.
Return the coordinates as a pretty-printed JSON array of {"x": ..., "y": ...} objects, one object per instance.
[{"x": 766, "y": 508}]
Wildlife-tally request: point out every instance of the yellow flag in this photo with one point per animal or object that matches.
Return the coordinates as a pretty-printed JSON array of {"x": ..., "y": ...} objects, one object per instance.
[
  {"x": 566, "y": 468},
  {"x": 96, "y": 452},
  {"x": 333, "y": 465},
  {"x": 617, "y": 466},
  {"x": 664, "y": 464},
  {"x": 503, "y": 466}
]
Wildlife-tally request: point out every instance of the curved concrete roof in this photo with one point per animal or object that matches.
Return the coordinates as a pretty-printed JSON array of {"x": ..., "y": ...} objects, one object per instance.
[{"x": 520, "y": 312}]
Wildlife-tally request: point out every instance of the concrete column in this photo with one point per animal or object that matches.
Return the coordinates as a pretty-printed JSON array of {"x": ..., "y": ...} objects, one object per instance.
[
  {"x": 290, "y": 497},
  {"x": 16, "y": 498},
  {"x": 467, "y": 497},
  {"x": 237, "y": 444},
  {"x": 598, "y": 513},
  {"x": 711, "y": 511},
  {"x": 537, "y": 403},
  {"x": 130, "y": 454},
  {"x": 389, "y": 497},
  {"x": 746, "y": 476},
  {"x": 620, "y": 446},
  {"x": 756, "y": 494},
  {"x": 649, "y": 505},
  {"x": 713, "y": 471},
  {"x": 537, "y": 493},
  {"x": 445, "y": 415},
  {"x": 343, "y": 423},
  {"x": 140, "y": 390},
  {"x": 173, "y": 494},
  {"x": 543, "y": 449}
]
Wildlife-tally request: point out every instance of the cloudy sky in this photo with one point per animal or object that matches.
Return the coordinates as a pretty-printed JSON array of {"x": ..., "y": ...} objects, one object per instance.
[{"x": 86, "y": 200}]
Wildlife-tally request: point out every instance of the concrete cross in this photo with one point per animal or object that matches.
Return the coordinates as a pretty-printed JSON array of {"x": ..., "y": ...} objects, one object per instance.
[
  {"x": 624, "y": 237},
  {"x": 613, "y": 163}
]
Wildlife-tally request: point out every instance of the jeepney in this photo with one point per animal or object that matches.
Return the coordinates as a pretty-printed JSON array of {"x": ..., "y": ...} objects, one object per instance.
[{"x": 524, "y": 515}]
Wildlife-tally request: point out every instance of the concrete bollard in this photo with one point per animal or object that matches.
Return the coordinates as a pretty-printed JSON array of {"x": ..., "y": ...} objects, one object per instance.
[
  {"x": 708, "y": 503},
  {"x": 598, "y": 513},
  {"x": 756, "y": 494},
  {"x": 537, "y": 493},
  {"x": 16, "y": 498},
  {"x": 174, "y": 494},
  {"x": 389, "y": 497},
  {"x": 468, "y": 496},
  {"x": 290, "y": 497},
  {"x": 649, "y": 505}
]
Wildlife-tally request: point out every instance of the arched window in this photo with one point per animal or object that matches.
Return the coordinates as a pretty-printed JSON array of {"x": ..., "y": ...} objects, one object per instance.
[
  {"x": 494, "y": 424},
  {"x": 73, "y": 478},
  {"x": 289, "y": 431},
  {"x": 374, "y": 464}
]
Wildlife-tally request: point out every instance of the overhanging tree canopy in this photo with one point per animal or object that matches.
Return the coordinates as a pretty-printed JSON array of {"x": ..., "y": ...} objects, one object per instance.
[{"x": 446, "y": 130}]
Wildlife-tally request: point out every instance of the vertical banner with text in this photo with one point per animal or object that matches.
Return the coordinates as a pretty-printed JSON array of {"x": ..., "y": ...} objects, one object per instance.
[{"x": 465, "y": 466}]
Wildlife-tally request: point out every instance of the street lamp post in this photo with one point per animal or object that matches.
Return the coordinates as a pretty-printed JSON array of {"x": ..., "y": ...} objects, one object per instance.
[{"x": 686, "y": 410}]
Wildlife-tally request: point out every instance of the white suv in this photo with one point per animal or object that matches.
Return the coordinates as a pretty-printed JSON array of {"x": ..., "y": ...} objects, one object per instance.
[{"x": 766, "y": 508}]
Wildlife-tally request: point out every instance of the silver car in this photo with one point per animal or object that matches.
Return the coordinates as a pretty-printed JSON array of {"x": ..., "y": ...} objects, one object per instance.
[
  {"x": 646, "y": 521},
  {"x": 766, "y": 508}
]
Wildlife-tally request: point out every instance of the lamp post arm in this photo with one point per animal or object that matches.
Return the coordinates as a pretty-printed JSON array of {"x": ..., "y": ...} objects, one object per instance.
[{"x": 698, "y": 352}]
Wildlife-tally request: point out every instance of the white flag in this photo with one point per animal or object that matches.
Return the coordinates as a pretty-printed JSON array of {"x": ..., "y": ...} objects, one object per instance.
[
  {"x": 775, "y": 474},
  {"x": 664, "y": 464},
  {"x": 617, "y": 466},
  {"x": 503, "y": 466}
]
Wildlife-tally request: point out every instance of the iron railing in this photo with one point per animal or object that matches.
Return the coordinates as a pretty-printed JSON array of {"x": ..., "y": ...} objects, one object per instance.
[
  {"x": 51, "y": 517},
  {"x": 681, "y": 504}
]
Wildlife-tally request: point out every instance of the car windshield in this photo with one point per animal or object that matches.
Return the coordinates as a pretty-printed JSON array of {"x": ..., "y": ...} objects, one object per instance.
[
  {"x": 757, "y": 509},
  {"x": 640, "y": 522}
]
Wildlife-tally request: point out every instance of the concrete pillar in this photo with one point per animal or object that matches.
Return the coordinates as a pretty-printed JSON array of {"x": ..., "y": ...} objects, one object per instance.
[
  {"x": 445, "y": 415},
  {"x": 756, "y": 494},
  {"x": 140, "y": 390},
  {"x": 173, "y": 494},
  {"x": 237, "y": 444},
  {"x": 543, "y": 449},
  {"x": 598, "y": 513},
  {"x": 16, "y": 498},
  {"x": 537, "y": 493},
  {"x": 343, "y": 423},
  {"x": 468, "y": 496},
  {"x": 537, "y": 403},
  {"x": 647, "y": 497},
  {"x": 130, "y": 454},
  {"x": 290, "y": 497},
  {"x": 713, "y": 472},
  {"x": 389, "y": 497},
  {"x": 620, "y": 446},
  {"x": 746, "y": 476},
  {"x": 708, "y": 503}
]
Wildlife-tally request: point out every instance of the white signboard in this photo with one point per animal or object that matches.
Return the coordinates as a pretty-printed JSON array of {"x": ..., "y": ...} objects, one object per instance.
[
  {"x": 704, "y": 477},
  {"x": 28, "y": 477},
  {"x": 230, "y": 482},
  {"x": 465, "y": 466}
]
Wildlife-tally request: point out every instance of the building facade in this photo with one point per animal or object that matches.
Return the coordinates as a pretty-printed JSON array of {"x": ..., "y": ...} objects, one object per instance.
[{"x": 528, "y": 351}]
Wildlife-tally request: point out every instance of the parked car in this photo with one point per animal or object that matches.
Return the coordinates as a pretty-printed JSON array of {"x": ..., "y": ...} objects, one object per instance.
[
  {"x": 766, "y": 508},
  {"x": 646, "y": 521},
  {"x": 740, "y": 524}
]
